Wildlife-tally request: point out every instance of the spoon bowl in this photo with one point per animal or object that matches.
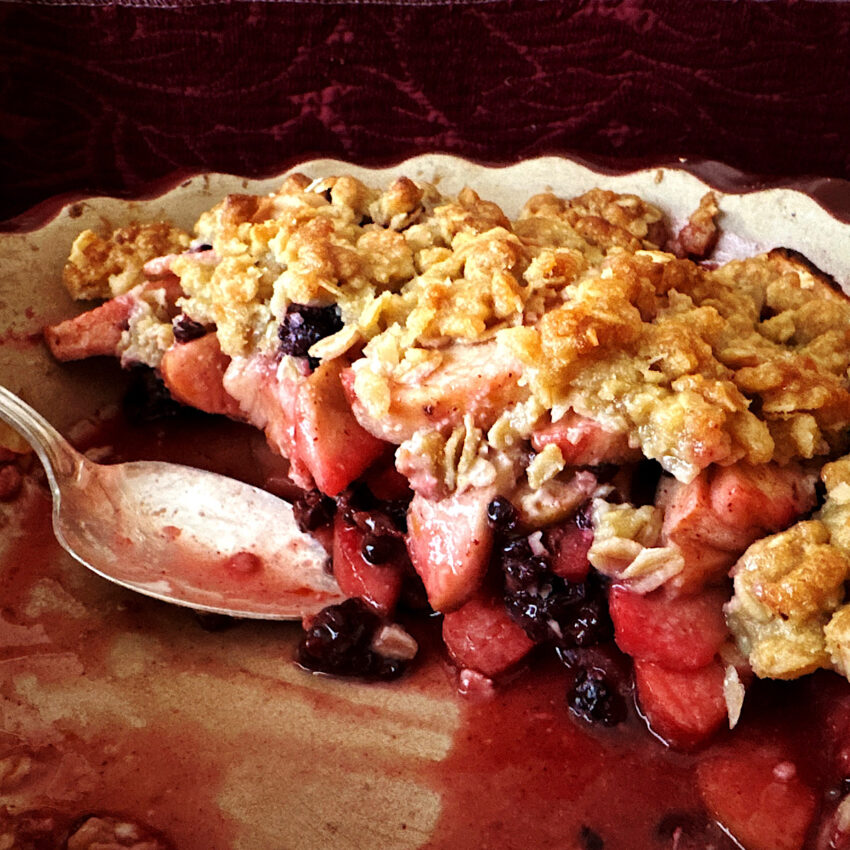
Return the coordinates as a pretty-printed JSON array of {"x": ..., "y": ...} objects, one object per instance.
[{"x": 179, "y": 534}]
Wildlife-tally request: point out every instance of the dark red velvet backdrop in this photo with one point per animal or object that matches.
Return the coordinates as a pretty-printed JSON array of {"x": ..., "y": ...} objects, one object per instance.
[{"x": 119, "y": 99}]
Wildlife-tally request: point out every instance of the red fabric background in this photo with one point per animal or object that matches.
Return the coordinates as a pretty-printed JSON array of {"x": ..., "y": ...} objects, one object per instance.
[{"x": 118, "y": 99}]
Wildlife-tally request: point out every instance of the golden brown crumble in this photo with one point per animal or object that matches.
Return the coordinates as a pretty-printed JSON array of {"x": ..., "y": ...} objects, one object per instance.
[
  {"x": 103, "y": 268},
  {"x": 746, "y": 362},
  {"x": 787, "y": 612},
  {"x": 604, "y": 218},
  {"x": 679, "y": 354}
]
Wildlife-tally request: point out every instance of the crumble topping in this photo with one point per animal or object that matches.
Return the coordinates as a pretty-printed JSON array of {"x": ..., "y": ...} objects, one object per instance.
[
  {"x": 149, "y": 331},
  {"x": 747, "y": 362},
  {"x": 104, "y": 268},
  {"x": 787, "y": 613},
  {"x": 627, "y": 546},
  {"x": 680, "y": 355},
  {"x": 604, "y": 218}
]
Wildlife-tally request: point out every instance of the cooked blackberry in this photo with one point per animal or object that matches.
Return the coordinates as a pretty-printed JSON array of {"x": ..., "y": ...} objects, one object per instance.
[
  {"x": 147, "y": 398},
  {"x": 525, "y": 573},
  {"x": 381, "y": 548},
  {"x": 303, "y": 326},
  {"x": 339, "y": 642},
  {"x": 502, "y": 514},
  {"x": 588, "y": 621},
  {"x": 583, "y": 517},
  {"x": 186, "y": 329},
  {"x": 313, "y": 509},
  {"x": 357, "y": 499},
  {"x": 592, "y": 698},
  {"x": 375, "y": 517},
  {"x": 548, "y": 607}
]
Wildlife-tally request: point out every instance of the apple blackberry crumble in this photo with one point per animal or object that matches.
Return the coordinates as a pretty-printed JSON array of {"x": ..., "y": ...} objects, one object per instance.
[{"x": 557, "y": 431}]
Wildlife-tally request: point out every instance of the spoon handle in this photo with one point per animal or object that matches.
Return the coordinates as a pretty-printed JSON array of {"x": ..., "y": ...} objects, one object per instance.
[{"x": 58, "y": 456}]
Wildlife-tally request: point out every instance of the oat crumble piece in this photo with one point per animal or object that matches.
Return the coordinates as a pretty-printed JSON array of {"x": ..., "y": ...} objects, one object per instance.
[
  {"x": 787, "y": 613},
  {"x": 104, "y": 268}
]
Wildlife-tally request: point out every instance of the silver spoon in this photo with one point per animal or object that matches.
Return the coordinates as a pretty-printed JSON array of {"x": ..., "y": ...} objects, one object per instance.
[{"x": 179, "y": 534}]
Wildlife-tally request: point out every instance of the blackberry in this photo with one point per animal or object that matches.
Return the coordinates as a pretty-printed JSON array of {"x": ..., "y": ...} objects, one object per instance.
[
  {"x": 303, "y": 326},
  {"x": 357, "y": 499},
  {"x": 380, "y": 548},
  {"x": 525, "y": 573},
  {"x": 312, "y": 510},
  {"x": 147, "y": 398},
  {"x": 588, "y": 622},
  {"x": 548, "y": 607},
  {"x": 339, "y": 642},
  {"x": 375, "y": 517},
  {"x": 593, "y": 699},
  {"x": 186, "y": 329},
  {"x": 502, "y": 514},
  {"x": 583, "y": 518},
  {"x": 541, "y": 610}
]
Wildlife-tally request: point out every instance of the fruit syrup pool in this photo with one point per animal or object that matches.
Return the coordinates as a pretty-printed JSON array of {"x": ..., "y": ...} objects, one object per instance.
[{"x": 521, "y": 771}]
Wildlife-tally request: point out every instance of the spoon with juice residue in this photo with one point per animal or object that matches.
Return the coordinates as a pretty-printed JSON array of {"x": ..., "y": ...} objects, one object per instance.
[{"x": 177, "y": 533}]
